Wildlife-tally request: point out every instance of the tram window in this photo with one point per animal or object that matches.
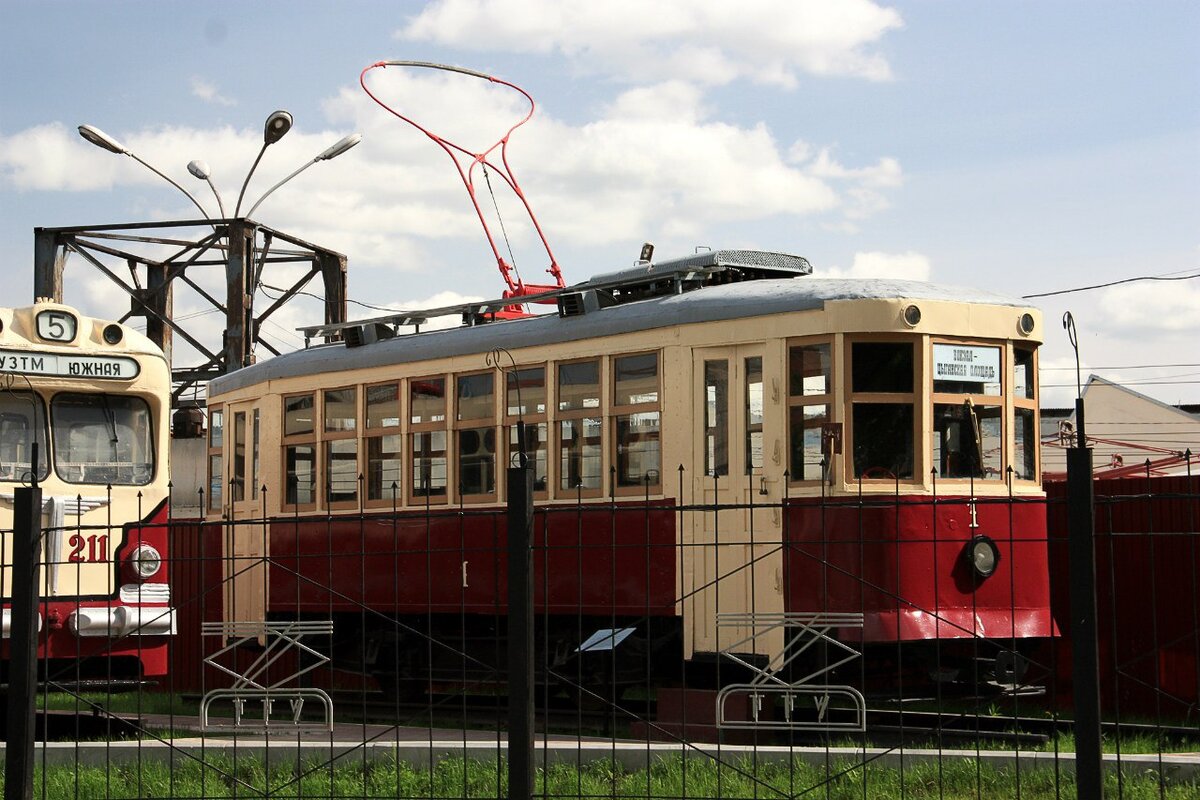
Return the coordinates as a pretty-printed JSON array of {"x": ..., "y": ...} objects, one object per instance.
[
  {"x": 810, "y": 371},
  {"x": 341, "y": 407},
  {"x": 882, "y": 367},
  {"x": 754, "y": 413},
  {"x": 341, "y": 471},
  {"x": 804, "y": 462},
  {"x": 635, "y": 379},
  {"x": 967, "y": 441},
  {"x": 216, "y": 428},
  {"x": 102, "y": 439},
  {"x": 580, "y": 454},
  {"x": 966, "y": 369},
  {"x": 254, "y": 479},
  {"x": 298, "y": 412},
  {"x": 22, "y": 423},
  {"x": 477, "y": 461},
  {"x": 883, "y": 440},
  {"x": 1025, "y": 458},
  {"x": 215, "y": 481},
  {"x": 1023, "y": 382},
  {"x": 579, "y": 385},
  {"x": 427, "y": 400},
  {"x": 526, "y": 391},
  {"x": 429, "y": 465},
  {"x": 535, "y": 451},
  {"x": 383, "y": 406},
  {"x": 716, "y": 417},
  {"x": 237, "y": 482},
  {"x": 638, "y": 457},
  {"x": 216, "y": 459},
  {"x": 476, "y": 396},
  {"x": 383, "y": 467},
  {"x": 300, "y": 470}
]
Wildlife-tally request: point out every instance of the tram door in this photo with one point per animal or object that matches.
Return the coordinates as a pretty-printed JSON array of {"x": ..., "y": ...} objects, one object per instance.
[
  {"x": 245, "y": 537},
  {"x": 735, "y": 556}
]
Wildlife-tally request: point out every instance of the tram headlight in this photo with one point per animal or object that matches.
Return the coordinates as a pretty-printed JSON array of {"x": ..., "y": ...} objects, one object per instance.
[
  {"x": 146, "y": 561},
  {"x": 113, "y": 333},
  {"x": 982, "y": 555}
]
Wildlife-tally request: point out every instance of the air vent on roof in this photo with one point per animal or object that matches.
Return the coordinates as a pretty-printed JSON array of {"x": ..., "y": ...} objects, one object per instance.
[
  {"x": 370, "y": 333},
  {"x": 574, "y": 304}
]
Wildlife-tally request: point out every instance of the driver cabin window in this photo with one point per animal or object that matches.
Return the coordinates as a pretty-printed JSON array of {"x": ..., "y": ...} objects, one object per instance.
[
  {"x": 967, "y": 436},
  {"x": 102, "y": 439},
  {"x": 22, "y": 424},
  {"x": 882, "y": 418}
]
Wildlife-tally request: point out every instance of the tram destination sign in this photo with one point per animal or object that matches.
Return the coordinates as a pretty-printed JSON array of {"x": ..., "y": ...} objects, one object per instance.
[
  {"x": 966, "y": 363},
  {"x": 65, "y": 365}
]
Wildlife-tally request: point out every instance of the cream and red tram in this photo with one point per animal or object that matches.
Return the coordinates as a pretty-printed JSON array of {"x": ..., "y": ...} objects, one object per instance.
[
  {"x": 782, "y": 435},
  {"x": 94, "y": 396}
]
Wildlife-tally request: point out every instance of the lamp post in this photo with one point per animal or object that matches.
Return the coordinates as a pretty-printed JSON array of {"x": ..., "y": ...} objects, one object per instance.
[
  {"x": 106, "y": 142},
  {"x": 331, "y": 152},
  {"x": 201, "y": 171},
  {"x": 276, "y": 127}
]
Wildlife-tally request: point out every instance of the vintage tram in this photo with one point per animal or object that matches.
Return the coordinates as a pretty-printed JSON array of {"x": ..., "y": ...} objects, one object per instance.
[
  {"x": 93, "y": 396},
  {"x": 722, "y": 443}
]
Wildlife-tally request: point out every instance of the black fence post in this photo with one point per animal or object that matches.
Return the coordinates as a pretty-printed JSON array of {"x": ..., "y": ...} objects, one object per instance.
[
  {"x": 22, "y": 680},
  {"x": 1085, "y": 655},
  {"x": 520, "y": 633}
]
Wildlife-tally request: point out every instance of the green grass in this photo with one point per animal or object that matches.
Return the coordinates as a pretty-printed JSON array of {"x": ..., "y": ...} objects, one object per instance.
[
  {"x": 668, "y": 778},
  {"x": 119, "y": 703}
]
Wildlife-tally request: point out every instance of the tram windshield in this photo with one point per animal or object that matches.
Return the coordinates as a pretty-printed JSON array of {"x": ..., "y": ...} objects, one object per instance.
[
  {"x": 102, "y": 439},
  {"x": 22, "y": 423}
]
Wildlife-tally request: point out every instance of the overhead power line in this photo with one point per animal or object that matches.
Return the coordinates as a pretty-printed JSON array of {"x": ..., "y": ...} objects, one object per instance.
[{"x": 1167, "y": 277}]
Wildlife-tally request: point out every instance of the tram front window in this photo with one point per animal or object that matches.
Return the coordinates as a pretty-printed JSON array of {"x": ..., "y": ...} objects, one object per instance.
[
  {"x": 22, "y": 423},
  {"x": 102, "y": 439},
  {"x": 966, "y": 440}
]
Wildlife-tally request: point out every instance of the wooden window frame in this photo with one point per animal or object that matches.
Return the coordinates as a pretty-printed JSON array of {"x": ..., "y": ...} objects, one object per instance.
[
  {"x": 396, "y": 498},
  {"x": 911, "y": 398},
  {"x": 327, "y": 437},
  {"x": 509, "y": 424},
  {"x": 827, "y": 399},
  {"x": 1028, "y": 403},
  {"x": 979, "y": 399},
  {"x": 560, "y": 417},
  {"x": 212, "y": 451},
  {"x": 412, "y": 498},
  {"x": 300, "y": 440},
  {"x": 628, "y": 409},
  {"x": 476, "y": 423}
]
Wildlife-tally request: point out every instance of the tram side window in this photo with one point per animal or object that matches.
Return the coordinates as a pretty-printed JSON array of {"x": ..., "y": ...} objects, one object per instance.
[
  {"x": 237, "y": 481},
  {"x": 637, "y": 438},
  {"x": 1025, "y": 409},
  {"x": 427, "y": 415},
  {"x": 810, "y": 395},
  {"x": 476, "y": 435},
  {"x": 526, "y": 402},
  {"x": 340, "y": 407},
  {"x": 102, "y": 439},
  {"x": 882, "y": 418},
  {"x": 216, "y": 459},
  {"x": 22, "y": 423},
  {"x": 967, "y": 439},
  {"x": 384, "y": 443},
  {"x": 581, "y": 428},
  {"x": 299, "y": 450},
  {"x": 716, "y": 417}
]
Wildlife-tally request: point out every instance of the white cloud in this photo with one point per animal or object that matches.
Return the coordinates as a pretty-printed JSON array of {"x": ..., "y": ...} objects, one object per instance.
[
  {"x": 707, "y": 41},
  {"x": 899, "y": 266},
  {"x": 208, "y": 93},
  {"x": 1167, "y": 306}
]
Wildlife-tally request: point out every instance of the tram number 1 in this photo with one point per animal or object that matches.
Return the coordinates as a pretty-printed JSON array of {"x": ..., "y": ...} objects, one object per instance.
[{"x": 88, "y": 548}]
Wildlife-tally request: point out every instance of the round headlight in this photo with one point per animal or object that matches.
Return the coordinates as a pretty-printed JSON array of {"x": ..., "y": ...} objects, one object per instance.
[
  {"x": 146, "y": 561},
  {"x": 983, "y": 556},
  {"x": 113, "y": 333}
]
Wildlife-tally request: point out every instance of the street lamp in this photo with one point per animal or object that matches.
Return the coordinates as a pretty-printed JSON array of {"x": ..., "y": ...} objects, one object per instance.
[
  {"x": 201, "y": 171},
  {"x": 276, "y": 127},
  {"x": 333, "y": 151},
  {"x": 104, "y": 141}
]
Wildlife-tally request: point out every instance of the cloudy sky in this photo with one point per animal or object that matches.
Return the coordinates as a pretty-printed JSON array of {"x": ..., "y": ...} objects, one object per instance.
[{"x": 1020, "y": 147}]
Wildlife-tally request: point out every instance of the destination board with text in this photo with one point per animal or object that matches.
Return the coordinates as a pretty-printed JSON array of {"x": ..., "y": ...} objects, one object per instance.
[{"x": 65, "y": 365}]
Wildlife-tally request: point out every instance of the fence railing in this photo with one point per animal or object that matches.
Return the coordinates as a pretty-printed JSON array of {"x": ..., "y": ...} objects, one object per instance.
[{"x": 793, "y": 646}]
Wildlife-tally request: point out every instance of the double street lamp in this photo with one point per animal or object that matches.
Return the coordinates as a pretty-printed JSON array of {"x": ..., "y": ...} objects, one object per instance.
[{"x": 276, "y": 127}]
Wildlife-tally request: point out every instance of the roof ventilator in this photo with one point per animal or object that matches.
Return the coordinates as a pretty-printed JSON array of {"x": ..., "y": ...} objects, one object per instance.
[
  {"x": 370, "y": 333},
  {"x": 576, "y": 304}
]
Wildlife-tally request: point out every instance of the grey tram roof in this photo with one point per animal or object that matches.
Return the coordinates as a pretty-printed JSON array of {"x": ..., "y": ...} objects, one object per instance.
[{"x": 752, "y": 298}]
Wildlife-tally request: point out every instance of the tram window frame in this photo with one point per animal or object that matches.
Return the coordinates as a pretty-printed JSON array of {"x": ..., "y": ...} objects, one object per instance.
[
  {"x": 63, "y": 430},
  {"x": 435, "y": 425},
  {"x": 619, "y": 412},
  {"x": 484, "y": 424},
  {"x": 800, "y": 421},
  {"x": 9, "y": 473},
  {"x": 859, "y": 400},
  {"x": 574, "y": 417},
  {"x": 537, "y": 427},
  {"x": 955, "y": 402},
  {"x": 1026, "y": 416},
  {"x": 237, "y": 460},
  {"x": 335, "y": 433},
  {"x": 388, "y": 495},
  {"x": 294, "y": 442},
  {"x": 216, "y": 458}
]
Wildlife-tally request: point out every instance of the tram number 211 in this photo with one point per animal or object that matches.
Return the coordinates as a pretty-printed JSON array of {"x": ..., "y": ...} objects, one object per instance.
[{"x": 88, "y": 548}]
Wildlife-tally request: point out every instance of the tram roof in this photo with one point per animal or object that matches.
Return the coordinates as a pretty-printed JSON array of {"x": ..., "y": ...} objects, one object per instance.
[{"x": 713, "y": 303}]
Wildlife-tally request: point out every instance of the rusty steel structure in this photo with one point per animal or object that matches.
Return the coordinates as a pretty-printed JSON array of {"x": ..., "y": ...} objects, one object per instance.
[{"x": 151, "y": 260}]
